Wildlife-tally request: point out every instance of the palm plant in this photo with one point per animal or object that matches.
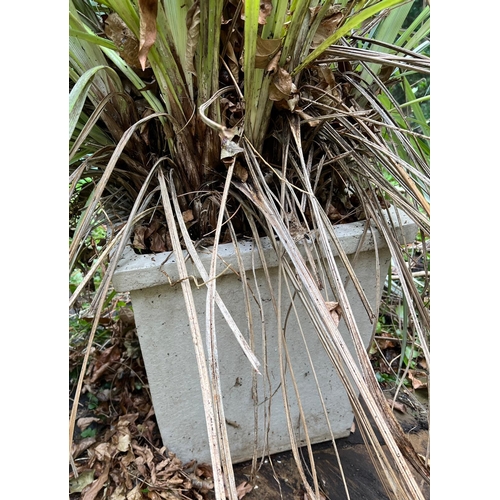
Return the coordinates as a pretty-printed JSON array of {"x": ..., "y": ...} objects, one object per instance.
[{"x": 208, "y": 121}]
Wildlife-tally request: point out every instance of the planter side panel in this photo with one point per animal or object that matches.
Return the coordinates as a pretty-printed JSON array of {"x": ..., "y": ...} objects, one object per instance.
[{"x": 168, "y": 351}]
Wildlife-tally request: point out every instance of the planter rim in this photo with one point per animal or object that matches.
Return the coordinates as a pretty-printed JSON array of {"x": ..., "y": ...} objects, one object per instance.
[{"x": 135, "y": 271}]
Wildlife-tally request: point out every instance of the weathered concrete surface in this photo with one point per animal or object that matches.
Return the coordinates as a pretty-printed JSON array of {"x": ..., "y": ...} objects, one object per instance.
[{"x": 253, "y": 403}]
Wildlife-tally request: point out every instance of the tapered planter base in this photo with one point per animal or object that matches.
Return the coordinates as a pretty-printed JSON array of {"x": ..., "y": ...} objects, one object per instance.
[{"x": 253, "y": 403}]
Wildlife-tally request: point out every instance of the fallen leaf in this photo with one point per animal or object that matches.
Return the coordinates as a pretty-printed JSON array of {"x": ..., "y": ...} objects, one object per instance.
[
  {"x": 283, "y": 91},
  {"x": 418, "y": 378},
  {"x": 119, "y": 493},
  {"x": 187, "y": 215},
  {"x": 243, "y": 488},
  {"x": 126, "y": 316},
  {"x": 123, "y": 442},
  {"x": 423, "y": 363},
  {"x": 139, "y": 232},
  {"x": 148, "y": 10},
  {"x": 240, "y": 172},
  {"x": 157, "y": 244},
  {"x": 83, "y": 445},
  {"x": 386, "y": 344},
  {"x": 135, "y": 494},
  {"x": 272, "y": 67},
  {"x": 333, "y": 213},
  {"x": 83, "y": 423},
  {"x": 77, "y": 484},
  {"x": 152, "y": 228},
  {"x": 399, "y": 406},
  {"x": 103, "y": 452},
  {"x": 96, "y": 486}
]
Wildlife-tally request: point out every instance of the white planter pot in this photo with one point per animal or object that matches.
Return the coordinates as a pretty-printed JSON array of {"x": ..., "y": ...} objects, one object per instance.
[{"x": 169, "y": 356}]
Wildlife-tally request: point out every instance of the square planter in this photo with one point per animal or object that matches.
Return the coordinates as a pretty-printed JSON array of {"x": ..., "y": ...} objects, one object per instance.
[{"x": 169, "y": 356}]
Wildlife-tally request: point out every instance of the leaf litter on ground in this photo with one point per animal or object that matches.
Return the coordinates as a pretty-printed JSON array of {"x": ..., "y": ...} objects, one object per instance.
[{"x": 125, "y": 458}]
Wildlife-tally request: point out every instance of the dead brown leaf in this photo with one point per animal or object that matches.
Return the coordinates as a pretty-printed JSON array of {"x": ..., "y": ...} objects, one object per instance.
[
  {"x": 240, "y": 172},
  {"x": 119, "y": 493},
  {"x": 103, "y": 452},
  {"x": 187, "y": 215},
  {"x": 123, "y": 442},
  {"x": 272, "y": 67},
  {"x": 265, "y": 51},
  {"x": 193, "y": 33},
  {"x": 386, "y": 344},
  {"x": 333, "y": 213},
  {"x": 83, "y": 423},
  {"x": 77, "y": 484},
  {"x": 283, "y": 91},
  {"x": 327, "y": 26},
  {"x": 139, "y": 232},
  {"x": 423, "y": 363},
  {"x": 135, "y": 494},
  {"x": 157, "y": 240},
  {"x": 266, "y": 7},
  {"x": 281, "y": 86},
  {"x": 418, "y": 379},
  {"x": 128, "y": 45},
  {"x": 126, "y": 316},
  {"x": 243, "y": 488},
  {"x": 84, "y": 444},
  {"x": 103, "y": 361},
  {"x": 399, "y": 406},
  {"x": 148, "y": 10},
  {"x": 96, "y": 486}
]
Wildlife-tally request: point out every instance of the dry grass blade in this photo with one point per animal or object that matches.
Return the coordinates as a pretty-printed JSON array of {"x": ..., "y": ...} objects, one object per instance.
[
  {"x": 205, "y": 277},
  {"x": 100, "y": 297},
  {"x": 340, "y": 350},
  {"x": 210, "y": 415},
  {"x": 94, "y": 200},
  {"x": 212, "y": 347},
  {"x": 361, "y": 352}
]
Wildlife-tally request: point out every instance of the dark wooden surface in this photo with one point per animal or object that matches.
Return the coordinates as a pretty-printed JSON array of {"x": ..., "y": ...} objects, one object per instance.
[{"x": 278, "y": 477}]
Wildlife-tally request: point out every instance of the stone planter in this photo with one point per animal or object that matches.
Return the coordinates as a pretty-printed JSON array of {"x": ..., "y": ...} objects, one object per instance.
[{"x": 167, "y": 348}]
